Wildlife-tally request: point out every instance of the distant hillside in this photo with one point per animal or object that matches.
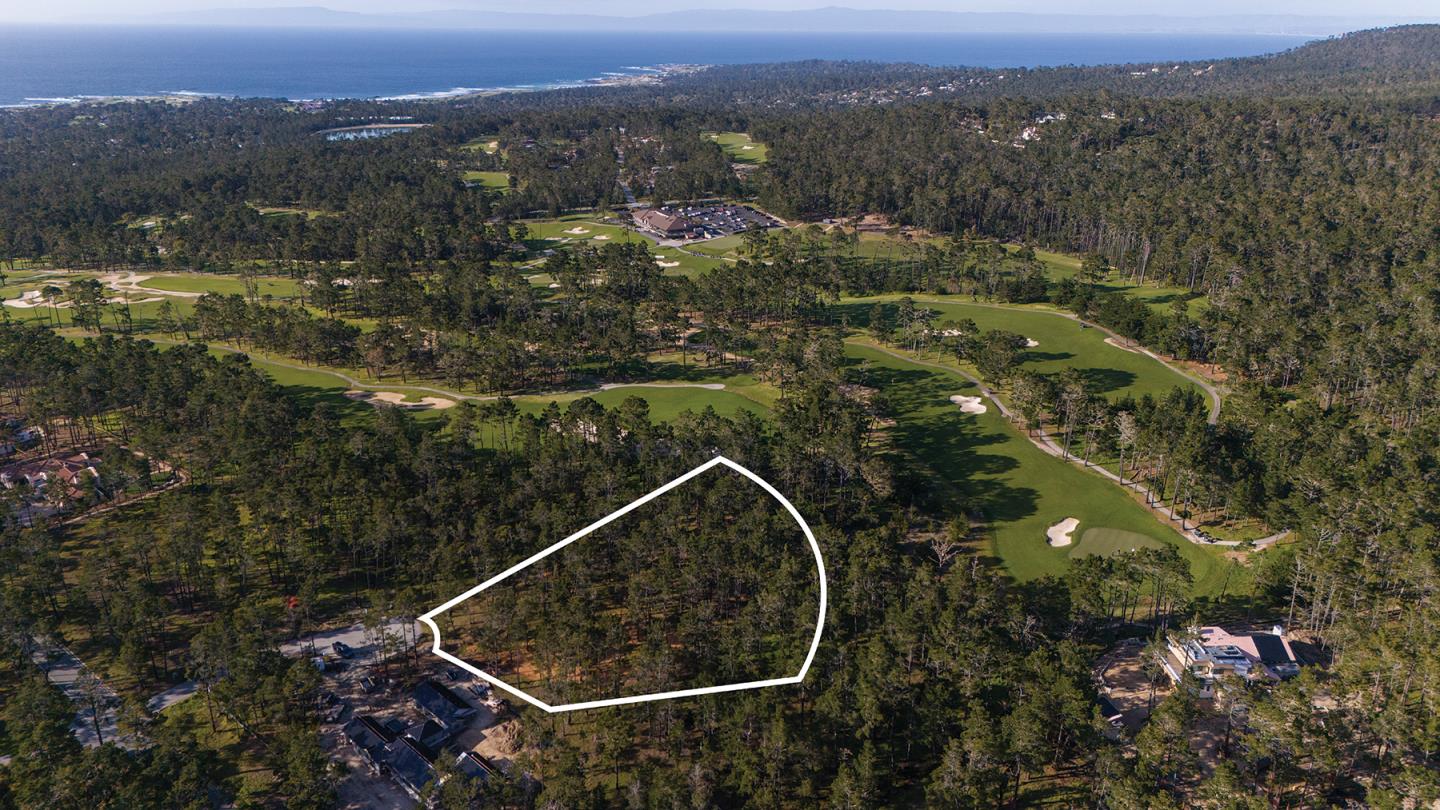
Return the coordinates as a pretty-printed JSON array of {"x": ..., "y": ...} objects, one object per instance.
[
  {"x": 831, "y": 20},
  {"x": 1404, "y": 60}
]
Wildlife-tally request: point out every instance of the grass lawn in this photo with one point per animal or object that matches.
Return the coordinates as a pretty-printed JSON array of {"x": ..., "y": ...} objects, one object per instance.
[
  {"x": 665, "y": 403},
  {"x": 494, "y": 181},
  {"x": 314, "y": 386},
  {"x": 489, "y": 144},
  {"x": 576, "y": 229},
  {"x": 1157, "y": 297},
  {"x": 272, "y": 286},
  {"x": 1110, "y": 370},
  {"x": 1110, "y": 541},
  {"x": 241, "y": 758},
  {"x": 982, "y": 464},
  {"x": 675, "y": 262},
  {"x": 740, "y": 147},
  {"x": 144, "y": 317},
  {"x": 724, "y": 247}
]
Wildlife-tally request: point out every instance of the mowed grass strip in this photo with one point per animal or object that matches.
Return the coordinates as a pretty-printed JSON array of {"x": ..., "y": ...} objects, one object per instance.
[
  {"x": 740, "y": 147},
  {"x": 1063, "y": 343},
  {"x": 272, "y": 286},
  {"x": 1158, "y": 297},
  {"x": 1105, "y": 541},
  {"x": 494, "y": 181},
  {"x": 980, "y": 463},
  {"x": 489, "y": 144}
]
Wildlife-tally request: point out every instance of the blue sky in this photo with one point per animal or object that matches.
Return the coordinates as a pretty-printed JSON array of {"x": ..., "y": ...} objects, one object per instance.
[{"x": 78, "y": 10}]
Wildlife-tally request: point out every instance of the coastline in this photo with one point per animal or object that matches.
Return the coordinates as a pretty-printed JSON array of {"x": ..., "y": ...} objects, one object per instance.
[{"x": 639, "y": 76}]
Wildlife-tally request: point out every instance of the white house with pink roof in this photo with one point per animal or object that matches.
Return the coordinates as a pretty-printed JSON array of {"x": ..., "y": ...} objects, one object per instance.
[{"x": 1210, "y": 652}]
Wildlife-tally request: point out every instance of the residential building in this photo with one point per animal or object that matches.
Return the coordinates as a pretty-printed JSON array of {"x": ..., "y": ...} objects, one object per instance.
[
  {"x": 411, "y": 764},
  {"x": 473, "y": 766},
  {"x": 371, "y": 739},
  {"x": 442, "y": 705},
  {"x": 72, "y": 476},
  {"x": 1208, "y": 653},
  {"x": 429, "y": 733}
]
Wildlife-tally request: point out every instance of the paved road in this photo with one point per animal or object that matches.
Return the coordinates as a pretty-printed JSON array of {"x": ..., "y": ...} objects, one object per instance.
[
  {"x": 63, "y": 669},
  {"x": 175, "y": 694},
  {"x": 357, "y": 637},
  {"x": 1048, "y": 445}
]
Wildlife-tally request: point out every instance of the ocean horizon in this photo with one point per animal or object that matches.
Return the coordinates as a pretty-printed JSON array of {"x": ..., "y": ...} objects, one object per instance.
[{"x": 54, "y": 64}]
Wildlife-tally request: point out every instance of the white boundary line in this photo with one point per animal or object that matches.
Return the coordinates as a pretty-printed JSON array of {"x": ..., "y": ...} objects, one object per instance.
[{"x": 429, "y": 618}]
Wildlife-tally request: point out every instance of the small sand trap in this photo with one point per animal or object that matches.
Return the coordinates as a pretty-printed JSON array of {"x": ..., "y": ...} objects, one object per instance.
[
  {"x": 578, "y": 231},
  {"x": 1059, "y": 534},
  {"x": 27, "y": 300},
  {"x": 969, "y": 404},
  {"x": 1031, "y": 343},
  {"x": 747, "y": 147},
  {"x": 664, "y": 263},
  {"x": 602, "y": 238},
  {"x": 554, "y": 285},
  {"x": 385, "y": 399}
]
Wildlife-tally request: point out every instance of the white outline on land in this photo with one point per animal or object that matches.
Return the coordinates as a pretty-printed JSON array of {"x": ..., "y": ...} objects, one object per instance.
[{"x": 429, "y": 618}]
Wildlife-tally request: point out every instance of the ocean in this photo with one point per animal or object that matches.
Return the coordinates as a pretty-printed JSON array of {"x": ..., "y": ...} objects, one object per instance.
[{"x": 41, "y": 64}]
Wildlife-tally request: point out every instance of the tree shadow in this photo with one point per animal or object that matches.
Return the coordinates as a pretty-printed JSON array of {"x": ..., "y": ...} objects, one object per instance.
[
  {"x": 1040, "y": 357},
  {"x": 310, "y": 397},
  {"x": 957, "y": 473},
  {"x": 1104, "y": 380},
  {"x": 858, "y": 314}
]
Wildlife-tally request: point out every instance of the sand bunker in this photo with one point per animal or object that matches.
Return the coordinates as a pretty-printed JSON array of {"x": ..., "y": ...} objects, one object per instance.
[
  {"x": 1031, "y": 343},
  {"x": 578, "y": 231},
  {"x": 664, "y": 263},
  {"x": 1059, "y": 534},
  {"x": 27, "y": 300},
  {"x": 747, "y": 147},
  {"x": 395, "y": 399},
  {"x": 602, "y": 238},
  {"x": 969, "y": 404}
]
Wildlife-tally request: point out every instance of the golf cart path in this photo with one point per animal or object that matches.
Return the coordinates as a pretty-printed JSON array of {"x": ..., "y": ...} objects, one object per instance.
[{"x": 1049, "y": 447}]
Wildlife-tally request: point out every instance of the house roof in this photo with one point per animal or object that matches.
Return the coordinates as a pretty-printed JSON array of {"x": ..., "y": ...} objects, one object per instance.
[
  {"x": 428, "y": 733},
  {"x": 368, "y": 734},
  {"x": 437, "y": 699},
  {"x": 68, "y": 470},
  {"x": 1267, "y": 648},
  {"x": 1273, "y": 650},
  {"x": 661, "y": 221},
  {"x": 411, "y": 762},
  {"x": 473, "y": 766}
]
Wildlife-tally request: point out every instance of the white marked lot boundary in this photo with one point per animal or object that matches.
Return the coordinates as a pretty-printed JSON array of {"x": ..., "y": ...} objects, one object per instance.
[{"x": 429, "y": 618}]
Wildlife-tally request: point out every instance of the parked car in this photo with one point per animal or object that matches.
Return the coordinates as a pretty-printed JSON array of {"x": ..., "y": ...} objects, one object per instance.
[{"x": 342, "y": 649}]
